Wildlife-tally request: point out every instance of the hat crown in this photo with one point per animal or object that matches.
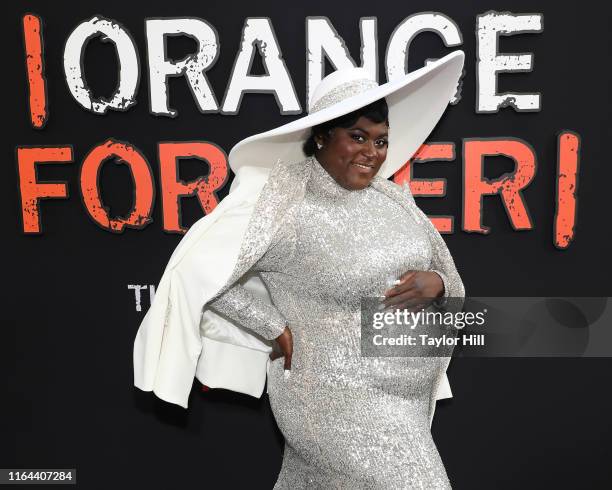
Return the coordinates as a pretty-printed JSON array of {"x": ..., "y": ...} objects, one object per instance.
[{"x": 340, "y": 85}]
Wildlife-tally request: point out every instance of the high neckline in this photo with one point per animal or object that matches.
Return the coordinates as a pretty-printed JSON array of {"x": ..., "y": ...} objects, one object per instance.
[{"x": 323, "y": 184}]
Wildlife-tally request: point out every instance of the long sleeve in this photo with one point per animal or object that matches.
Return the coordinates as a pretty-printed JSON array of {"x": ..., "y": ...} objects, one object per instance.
[
  {"x": 252, "y": 312},
  {"x": 442, "y": 262},
  {"x": 249, "y": 310}
]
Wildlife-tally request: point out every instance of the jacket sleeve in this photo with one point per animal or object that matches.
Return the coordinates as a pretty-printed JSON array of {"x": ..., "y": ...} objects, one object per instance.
[
  {"x": 249, "y": 310},
  {"x": 442, "y": 262}
]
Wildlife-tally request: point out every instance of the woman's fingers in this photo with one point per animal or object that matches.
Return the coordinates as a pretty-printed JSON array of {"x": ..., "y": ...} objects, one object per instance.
[
  {"x": 275, "y": 355},
  {"x": 287, "y": 362},
  {"x": 285, "y": 342},
  {"x": 406, "y": 276},
  {"x": 404, "y": 283},
  {"x": 413, "y": 306},
  {"x": 288, "y": 348},
  {"x": 409, "y": 297}
]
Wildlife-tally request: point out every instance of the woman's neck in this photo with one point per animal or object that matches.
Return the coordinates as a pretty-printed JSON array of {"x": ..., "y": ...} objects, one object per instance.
[{"x": 323, "y": 184}]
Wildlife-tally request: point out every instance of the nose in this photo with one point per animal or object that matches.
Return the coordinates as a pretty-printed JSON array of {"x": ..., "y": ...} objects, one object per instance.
[{"x": 370, "y": 150}]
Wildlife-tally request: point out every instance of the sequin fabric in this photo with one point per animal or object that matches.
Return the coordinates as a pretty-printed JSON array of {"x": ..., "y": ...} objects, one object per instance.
[
  {"x": 349, "y": 422},
  {"x": 341, "y": 92}
]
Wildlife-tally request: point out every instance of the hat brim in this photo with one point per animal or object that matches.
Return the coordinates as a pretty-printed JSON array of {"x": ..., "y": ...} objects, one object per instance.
[{"x": 416, "y": 103}]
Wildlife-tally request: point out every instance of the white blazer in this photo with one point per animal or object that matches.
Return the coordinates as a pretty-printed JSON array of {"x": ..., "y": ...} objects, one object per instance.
[{"x": 179, "y": 337}]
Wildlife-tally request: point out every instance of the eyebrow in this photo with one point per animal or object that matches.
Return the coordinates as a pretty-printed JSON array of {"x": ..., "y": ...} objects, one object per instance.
[{"x": 364, "y": 131}]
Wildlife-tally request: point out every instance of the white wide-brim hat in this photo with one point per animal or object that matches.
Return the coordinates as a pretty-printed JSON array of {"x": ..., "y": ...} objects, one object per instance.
[{"x": 416, "y": 103}]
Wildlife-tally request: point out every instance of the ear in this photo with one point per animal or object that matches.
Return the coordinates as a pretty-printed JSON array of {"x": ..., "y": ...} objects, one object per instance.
[
  {"x": 322, "y": 138},
  {"x": 326, "y": 136}
]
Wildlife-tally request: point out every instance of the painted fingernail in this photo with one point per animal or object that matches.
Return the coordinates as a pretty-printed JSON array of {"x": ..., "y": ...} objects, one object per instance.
[
  {"x": 287, "y": 373},
  {"x": 396, "y": 282}
]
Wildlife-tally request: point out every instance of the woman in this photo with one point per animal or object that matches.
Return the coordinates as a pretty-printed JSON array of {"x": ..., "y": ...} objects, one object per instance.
[{"x": 323, "y": 233}]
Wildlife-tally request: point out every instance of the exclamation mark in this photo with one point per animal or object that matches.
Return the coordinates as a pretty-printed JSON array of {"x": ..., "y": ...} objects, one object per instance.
[
  {"x": 32, "y": 34},
  {"x": 567, "y": 185}
]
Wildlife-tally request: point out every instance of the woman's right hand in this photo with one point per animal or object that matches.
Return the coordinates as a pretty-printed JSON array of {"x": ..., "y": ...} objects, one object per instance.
[{"x": 285, "y": 342}]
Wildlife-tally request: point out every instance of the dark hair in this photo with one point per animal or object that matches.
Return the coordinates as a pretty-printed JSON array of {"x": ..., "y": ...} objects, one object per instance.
[{"x": 377, "y": 112}]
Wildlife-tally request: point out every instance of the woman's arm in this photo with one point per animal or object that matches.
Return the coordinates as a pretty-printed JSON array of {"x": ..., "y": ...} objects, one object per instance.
[
  {"x": 442, "y": 262},
  {"x": 250, "y": 311}
]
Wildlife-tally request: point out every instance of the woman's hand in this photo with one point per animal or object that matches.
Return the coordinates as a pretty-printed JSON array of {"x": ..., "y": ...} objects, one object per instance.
[
  {"x": 415, "y": 289},
  {"x": 285, "y": 342}
]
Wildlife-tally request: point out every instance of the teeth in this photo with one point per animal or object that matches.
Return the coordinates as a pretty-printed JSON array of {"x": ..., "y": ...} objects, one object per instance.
[{"x": 362, "y": 166}]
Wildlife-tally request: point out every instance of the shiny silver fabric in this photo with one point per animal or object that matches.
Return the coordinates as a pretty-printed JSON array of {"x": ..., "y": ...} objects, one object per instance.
[
  {"x": 341, "y": 92},
  {"x": 348, "y": 421}
]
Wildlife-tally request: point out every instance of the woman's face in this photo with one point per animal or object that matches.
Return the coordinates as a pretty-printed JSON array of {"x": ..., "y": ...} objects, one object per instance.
[{"x": 353, "y": 156}]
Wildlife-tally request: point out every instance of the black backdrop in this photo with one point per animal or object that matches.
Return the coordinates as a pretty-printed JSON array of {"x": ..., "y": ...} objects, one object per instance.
[{"x": 68, "y": 399}]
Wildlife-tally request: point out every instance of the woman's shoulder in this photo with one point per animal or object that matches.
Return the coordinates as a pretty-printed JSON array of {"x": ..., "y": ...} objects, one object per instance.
[
  {"x": 392, "y": 189},
  {"x": 294, "y": 168}
]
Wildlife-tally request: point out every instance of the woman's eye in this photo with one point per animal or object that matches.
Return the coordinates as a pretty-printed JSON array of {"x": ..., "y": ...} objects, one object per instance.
[
  {"x": 381, "y": 143},
  {"x": 358, "y": 137}
]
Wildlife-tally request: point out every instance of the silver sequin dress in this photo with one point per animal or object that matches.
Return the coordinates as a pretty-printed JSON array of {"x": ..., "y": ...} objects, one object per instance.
[{"x": 349, "y": 421}]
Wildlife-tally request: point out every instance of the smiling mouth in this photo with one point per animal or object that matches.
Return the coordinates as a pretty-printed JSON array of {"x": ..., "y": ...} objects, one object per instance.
[{"x": 361, "y": 165}]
